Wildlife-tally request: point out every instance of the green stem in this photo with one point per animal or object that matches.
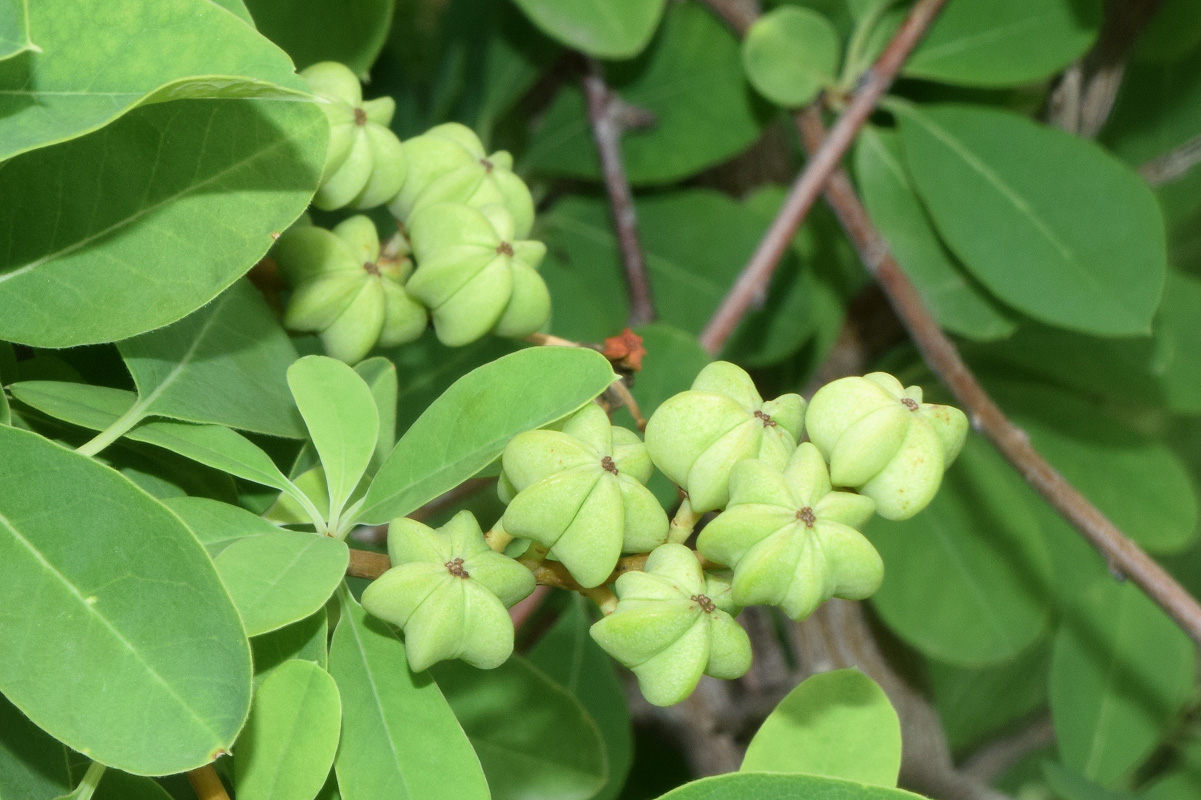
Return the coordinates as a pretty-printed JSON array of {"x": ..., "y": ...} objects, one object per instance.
[
  {"x": 91, "y": 780},
  {"x": 121, "y": 426},
  {"x": 683, "y": 523},
  {"x": 293, "y": 491},
  {"x": 853, "y": 66}
]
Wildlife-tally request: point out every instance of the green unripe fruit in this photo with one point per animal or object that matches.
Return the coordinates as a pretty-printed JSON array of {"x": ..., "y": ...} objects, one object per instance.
[
  {"x": 669, "y": 631},
  {"x": 792, "y": 541},
  {"x": 880, "y": 438},
  {"x": 365, "y": 164},
  {"x": 449, "y": 591},
  {"x": 474, "y": 275},
  {"x": 345, "y": 290},
  {"x": 580, "y": 492},
  {"x": 697, "y": 436},
  {"x": 447, "y": 164}
]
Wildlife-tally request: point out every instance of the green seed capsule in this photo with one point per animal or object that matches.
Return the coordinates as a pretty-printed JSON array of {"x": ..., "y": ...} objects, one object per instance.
[{"x": 448, "y": 591}]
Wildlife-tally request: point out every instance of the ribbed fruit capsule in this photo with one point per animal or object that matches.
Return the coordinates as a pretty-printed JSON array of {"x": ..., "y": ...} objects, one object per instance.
[
  {"x": 696, "y": 437},
  {"x": 669, "y": 631},
  {"x": 580, "y": 491},
  {"x": 792, "y": 541},
  {"x": 880, "y": 438},
  {"x": 448, "y": 591}
]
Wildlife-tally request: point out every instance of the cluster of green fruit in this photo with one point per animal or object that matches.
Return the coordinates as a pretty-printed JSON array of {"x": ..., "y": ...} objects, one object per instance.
[
  {"x": 577, "y": 495},
  {"x": 462, "y": 218}
]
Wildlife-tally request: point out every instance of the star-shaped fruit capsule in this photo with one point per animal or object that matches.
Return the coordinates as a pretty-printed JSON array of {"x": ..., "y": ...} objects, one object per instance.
[
  {"x": 580, "y": 492},
  {"x": 669, "y": 629},
  {"x": 449, "y": 591},
  {"x": 697, "y": 436},
  {"x": 880, "y": 438},
  {"x": 792, "y": 541}
]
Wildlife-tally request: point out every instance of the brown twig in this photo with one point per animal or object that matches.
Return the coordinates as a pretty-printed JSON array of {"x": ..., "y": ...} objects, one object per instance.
[
  {"x": 753, "y": 280},
  {"x": 1172, "y": 164},
  {"x": 987, "y": 417},
  {"x": 605, "y": 116},
  {"x": 207, "y": 784}
]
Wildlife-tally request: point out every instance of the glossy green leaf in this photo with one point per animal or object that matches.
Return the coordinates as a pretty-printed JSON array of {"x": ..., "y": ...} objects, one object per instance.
[
  {"x": 98, "y": 407},
  {"x": 1138, "y": 483},
  {"x": 351, "y": 32},
  {"x": 568, "y": 655},
  {"x": 217, "y": 525},
  {"x": 692, "y": 71},
  {"x": 965, "y": 579},
  {"x": 156, "y": 214},
  {"x": 1004, "y": 42},
  {"x": 958, "y": 301},
  {"x": 98, "y": 59},
  {"x": 14, "y": 28},
  {"x": 1121, "y": 671},
  {"x": 836, "y": 724},
  {"x": 280, "y": 577},
  {"x": 306, "y": 639},
  {"x": 534, "y": 740},
  {"x": 397, "y": 729},
  {"x": 976, "y": 704},
  {"x": 288, "y": 745},
  {"x": 105, "y": 555},
  {"x": 790, "y": 55},
  {"x": 689, "y": 275},
  {"x": 339, "y": 411},
  {"x": 469, "y": 425},
  {"x": 755, "y": 786},
  {"x": 380, "y": 376},
  {"x": 226, "y": 364},
  {"x": 601, "y": 28},
  {"x": 1050, "y": 223}
]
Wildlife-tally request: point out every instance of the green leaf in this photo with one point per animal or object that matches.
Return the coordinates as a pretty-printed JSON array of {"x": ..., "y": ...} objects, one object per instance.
[
  {"x": 339, "y": 411},
  {"x": 1183, "y": 780},
  {"x": 397, "y": 729},
  {"x": 534, "y": 740},
  {"x": 469, "y": 425},
  {"x": 689, "y": 275},
  {"x": 1050, "y": 223},
  {"x": 1004, "y": 42},
  {"x": 32, "y": 763},
  {"x": 351, "y": 32},
  {"x": 1121, "y": 672},
  {"x": 1138, "y": 483},
  {"x": 99, "y": 407},
  {"x": 226, "y": 364},
  {"x": 976, "y": 704},
  {"x": 156, "y": 214},
  {"x": 217, "y": 525},
  {"x": 754, "y": 786},
  {"x": 1070, "y": 785},
  {"x": 790, "y": 55},
  {"x": 692, "y": 71},
  {"x": 380, "y": 376},
  {"x": 1173, "y": 31},
  {"x": 957, "y": 300},
  {"x": 568, "y": 655},
  {"x": 601, "y": 28},
  {"x": 965, "y": 579},
  {"x": 836, "y": 724},
  {"x": 14, "y": 28},
  {"x": 306, "y": 639},
  {"x": 288, "y": 745},
  {"x": 137, "y": 608},
  {"x": 280, "y": 577},
  {"x": 98, "y": 59}
]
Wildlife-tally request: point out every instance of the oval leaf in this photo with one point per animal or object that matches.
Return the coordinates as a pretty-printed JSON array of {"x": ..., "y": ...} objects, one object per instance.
[
  {"x": 602, "y": 28},
  {"x": 752, "y": 786},
  {"x": 534, "y": 739},
  {"x": 288, "y": 745},
  {"x": 466, "y": 428},
  {"x": 217, "y": 525},
  {"x": 157, "y": 213},
  {"x": 836, "y": 724},
  {"x": 1050, "y": 223},
  {"x": 790, "y": 55},
  {"x": 280, "y": 577},
  {"x": 397, "y": 729},
  {"x": 137, "y": 611},
  {"x": 350, "y": 31}
]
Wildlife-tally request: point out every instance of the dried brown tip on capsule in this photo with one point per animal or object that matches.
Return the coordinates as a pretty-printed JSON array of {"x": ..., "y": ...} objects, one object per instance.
[
  {"x": 768, "y": 422},
  {"x": 910, "y": 403},
  {"x": 608, "y": 464},
  {"x": 360, "y": 117},
  {"x": 807, "y": 516},
  {"x": 504, "y": 249},
  {"x": 487, "y": 165},
  {"x": 456, "y": 568},
  {"x": 371, "y": 267},
  {"x": 707, "y": 605}
]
